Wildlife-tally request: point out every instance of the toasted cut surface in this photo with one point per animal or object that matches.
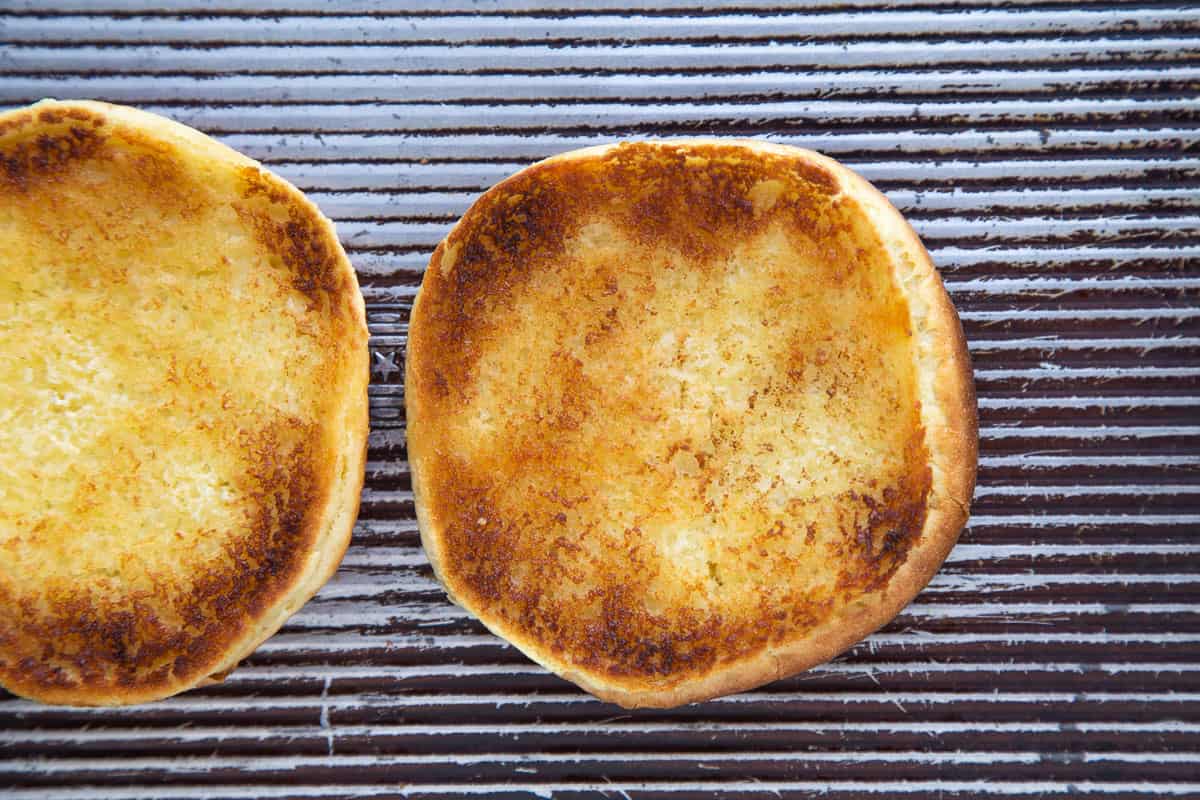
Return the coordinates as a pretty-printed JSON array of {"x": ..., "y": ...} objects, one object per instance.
[
  {"x": 686, "y": 417},
  {"x": 183, "y": 413}
]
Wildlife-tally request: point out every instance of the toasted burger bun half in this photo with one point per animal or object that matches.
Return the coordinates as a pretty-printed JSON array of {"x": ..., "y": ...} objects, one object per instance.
[
  {"x": 183, "y": 408},
  {"x": 686, "y": 417}
]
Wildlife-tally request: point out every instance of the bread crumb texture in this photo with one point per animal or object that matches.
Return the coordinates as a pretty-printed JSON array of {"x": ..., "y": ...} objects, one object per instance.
[
  {"x": 668, "y": 408},
  {"x": 168, "y": 374}
]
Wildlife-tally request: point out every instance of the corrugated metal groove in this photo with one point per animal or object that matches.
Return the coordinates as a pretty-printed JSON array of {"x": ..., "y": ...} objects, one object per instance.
[
  {"x": 1114, "y": 174},
  {"x": 510, "y": 8},
  {"x": 761, "y": 117},
  {"x": 763, "y": 27},
  {"x": 835, "y": 789},
  {"x": 425, "y": 148},
  {"x": 596, "y": 60},
  {"x": 560, "y": 89}
]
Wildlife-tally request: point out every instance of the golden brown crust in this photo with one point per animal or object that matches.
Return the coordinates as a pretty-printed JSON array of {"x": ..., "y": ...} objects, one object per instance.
[
  {"x": 565, "y": 506},
  {"x": 204, "y": 332}
]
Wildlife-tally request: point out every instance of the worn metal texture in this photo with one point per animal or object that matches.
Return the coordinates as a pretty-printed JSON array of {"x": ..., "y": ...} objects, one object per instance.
[{"x": 1048, "y": 154}]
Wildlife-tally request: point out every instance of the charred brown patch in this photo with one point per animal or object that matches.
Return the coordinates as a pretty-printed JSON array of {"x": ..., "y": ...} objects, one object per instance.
[
  {"x": 282, "y": 479},
  {"x": 256, "y": 183},
  {"x": 40, "y": 157},
  {"x": 53, "y": 116},
  {"x": 15, "y": 122},
  {"x": 25, "y": 160},
  {"x": 301, "y": 241},
  {"x": 817, "y": 177},
  {"x": 703, "y": 202},
  {"x": 873, "y": 550},
  {"x": 510, "y": 233}
]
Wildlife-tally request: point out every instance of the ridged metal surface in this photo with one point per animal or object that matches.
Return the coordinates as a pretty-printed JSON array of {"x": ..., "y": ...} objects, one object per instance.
[{"x": 1048, "y": 153}]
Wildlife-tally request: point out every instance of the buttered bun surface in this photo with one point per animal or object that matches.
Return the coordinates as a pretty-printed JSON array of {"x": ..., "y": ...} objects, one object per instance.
[
  {"x": 183, "y": 411},
  {"x": 686, "y": 417}
]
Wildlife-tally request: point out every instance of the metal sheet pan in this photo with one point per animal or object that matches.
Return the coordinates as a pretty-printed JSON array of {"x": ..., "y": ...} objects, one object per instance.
[{"x": 1047, "y": 153}]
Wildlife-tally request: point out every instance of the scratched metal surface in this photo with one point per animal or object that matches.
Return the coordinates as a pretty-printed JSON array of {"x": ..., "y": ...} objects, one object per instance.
[{"x": 1047, "y": 153}]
